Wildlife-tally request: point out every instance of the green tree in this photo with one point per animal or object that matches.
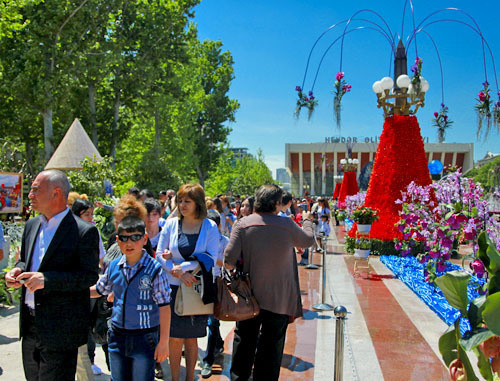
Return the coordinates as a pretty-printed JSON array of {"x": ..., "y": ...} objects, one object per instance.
[
  {"x": 240, "y": 176},
  {"x": 488, "y": 175},
  {"x": 212, "y": 106},
  {"x": 11, "y": 18},
  {"x": 91, "y": 178},
  {"x": 36, "y": 59}
]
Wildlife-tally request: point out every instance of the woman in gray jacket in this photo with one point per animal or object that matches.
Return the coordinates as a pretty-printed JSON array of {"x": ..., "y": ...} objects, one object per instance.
[{"x": 264, "y": 242}]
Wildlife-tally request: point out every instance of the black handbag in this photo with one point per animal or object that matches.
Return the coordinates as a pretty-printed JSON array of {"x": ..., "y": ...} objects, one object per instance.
[{"x": 100, "y": 316}]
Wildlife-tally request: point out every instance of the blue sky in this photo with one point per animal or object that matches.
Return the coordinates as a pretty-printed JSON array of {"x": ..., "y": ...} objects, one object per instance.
[{"x": 270, "y": 42}]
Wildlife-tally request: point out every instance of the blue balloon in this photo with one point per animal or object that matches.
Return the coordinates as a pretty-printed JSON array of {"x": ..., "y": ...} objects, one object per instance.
[{"x": 435, "y": 167}]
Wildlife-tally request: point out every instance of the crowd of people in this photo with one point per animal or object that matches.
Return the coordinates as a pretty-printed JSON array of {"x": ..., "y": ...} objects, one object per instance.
[{"x": 122, "y": 293}]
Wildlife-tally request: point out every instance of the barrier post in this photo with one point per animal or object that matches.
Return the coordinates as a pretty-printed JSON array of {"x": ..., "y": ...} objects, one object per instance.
[
  {"x": 340, "y": 314},
  {"x": 323, "y": 306},
  {"x": 310, "y": 265}
]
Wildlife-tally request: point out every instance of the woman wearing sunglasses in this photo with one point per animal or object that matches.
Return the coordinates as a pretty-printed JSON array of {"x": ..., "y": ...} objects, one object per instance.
[{"x": 186, "y": 242}]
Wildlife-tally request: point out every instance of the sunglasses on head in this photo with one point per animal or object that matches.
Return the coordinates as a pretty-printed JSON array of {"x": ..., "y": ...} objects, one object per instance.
[{"x": 132, "y": 237}]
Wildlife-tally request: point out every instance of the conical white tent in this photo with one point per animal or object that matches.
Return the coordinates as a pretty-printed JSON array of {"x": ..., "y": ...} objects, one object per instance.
[{"x": 75, "y": 146}]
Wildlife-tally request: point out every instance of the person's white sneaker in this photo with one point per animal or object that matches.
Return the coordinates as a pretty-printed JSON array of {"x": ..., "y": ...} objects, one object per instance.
[{"x": 96, "y": 370}]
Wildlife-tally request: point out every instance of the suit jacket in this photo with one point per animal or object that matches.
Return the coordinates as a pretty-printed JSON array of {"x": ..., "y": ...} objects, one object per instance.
[{"x": 70, "y": 267}]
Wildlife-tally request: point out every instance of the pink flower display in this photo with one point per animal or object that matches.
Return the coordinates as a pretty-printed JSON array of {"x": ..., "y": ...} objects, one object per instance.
[{"x": 441, "y": 215}]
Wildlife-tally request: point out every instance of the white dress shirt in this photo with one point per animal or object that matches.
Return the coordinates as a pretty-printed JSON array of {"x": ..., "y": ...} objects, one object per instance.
[{"x": 45, "y": 234}]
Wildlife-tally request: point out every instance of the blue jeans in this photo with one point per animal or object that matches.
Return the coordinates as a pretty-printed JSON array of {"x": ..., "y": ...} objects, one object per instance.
[
  {"x": 214, "y": 340},
  {"x": 131, "y": 355}
]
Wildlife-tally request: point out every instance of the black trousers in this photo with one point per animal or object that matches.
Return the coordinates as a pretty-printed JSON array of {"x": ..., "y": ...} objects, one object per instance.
[
  {"x": 263, "y": 352},
  {"x": 43, "y": 364}
]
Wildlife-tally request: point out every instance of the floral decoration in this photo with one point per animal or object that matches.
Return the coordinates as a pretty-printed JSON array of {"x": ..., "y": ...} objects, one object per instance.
[
  {"x": 341, "y": 88},
  {"x": 417, "y": 73},
  {"x": 487, "y": 112},
  {"x": 308, "y": 101},
  {"x": 442, "y": 215},
  {"x": 364, "y": 215},
  {"x": 400, "y": 139},
  {"x": 442, "y": 122},
  {"x": 329, "y": 164},
  {"x": 451, "y": 168},
  {"x": 354, "y": 201}
]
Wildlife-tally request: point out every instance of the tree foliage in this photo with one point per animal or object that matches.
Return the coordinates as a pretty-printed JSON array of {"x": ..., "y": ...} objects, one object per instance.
[
  {"x": 92, "y": 177},
  {"x": 488, "y": 175},
  {"x": 150, "y": 94},
  {"x": 240, "y": 176}
]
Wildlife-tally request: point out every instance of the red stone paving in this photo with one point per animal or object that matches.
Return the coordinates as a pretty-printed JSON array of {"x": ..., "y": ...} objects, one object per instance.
[
  {"x": 402, "y": 352},
  {"x": 300, "y": 345}
]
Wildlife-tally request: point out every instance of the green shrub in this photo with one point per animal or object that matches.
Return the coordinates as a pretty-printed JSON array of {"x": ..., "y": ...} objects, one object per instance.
[
  {"x": 8, "y": 296},
  {"x": 379, "y": 247}
]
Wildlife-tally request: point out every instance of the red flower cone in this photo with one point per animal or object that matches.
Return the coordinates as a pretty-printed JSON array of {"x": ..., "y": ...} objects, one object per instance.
[
  {"x": 336, "y": 192},
  {"x": 400, "y": 160},
  {"x": 349, "y": 186}
]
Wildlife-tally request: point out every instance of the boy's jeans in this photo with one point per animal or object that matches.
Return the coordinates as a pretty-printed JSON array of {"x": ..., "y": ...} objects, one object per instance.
[
  {"x": 131, "y": 355},
  {"x": 214, "y": 340}
]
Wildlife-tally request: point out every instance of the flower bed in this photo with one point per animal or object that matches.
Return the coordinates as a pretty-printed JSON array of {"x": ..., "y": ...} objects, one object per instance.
[{"x": 411, "y": 272}]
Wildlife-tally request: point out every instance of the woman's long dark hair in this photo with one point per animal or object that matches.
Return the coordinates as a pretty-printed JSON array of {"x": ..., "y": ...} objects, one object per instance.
[
  {"x": 80, "y": 206},
  {"x": 251, "y": 201}
]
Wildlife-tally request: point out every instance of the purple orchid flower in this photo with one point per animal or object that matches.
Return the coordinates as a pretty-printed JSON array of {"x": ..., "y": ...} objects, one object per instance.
[
  {"x": 434, "y": 254},
  {"x": 441, "y": 266}
]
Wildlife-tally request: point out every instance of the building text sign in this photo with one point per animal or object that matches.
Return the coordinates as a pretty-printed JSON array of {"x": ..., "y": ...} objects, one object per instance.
[{"x": 356, "y": 139}]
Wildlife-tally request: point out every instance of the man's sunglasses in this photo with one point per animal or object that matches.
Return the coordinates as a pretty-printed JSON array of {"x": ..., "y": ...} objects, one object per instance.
[{"x": 132, "y": 237}]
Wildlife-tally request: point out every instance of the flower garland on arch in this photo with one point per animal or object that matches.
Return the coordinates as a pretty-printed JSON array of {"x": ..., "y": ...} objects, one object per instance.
[
  {"x": 487, "y": 112},
  {"x": 308, "y": 101},
  {"x": 442, "y": 122},
  {"x": 341, "y": 88}
]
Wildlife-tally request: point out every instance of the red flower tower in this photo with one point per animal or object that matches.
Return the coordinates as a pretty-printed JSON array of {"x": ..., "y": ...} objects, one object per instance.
[
  {"x": 400, "y": 157},
  {"x": 400, "y": 160}
]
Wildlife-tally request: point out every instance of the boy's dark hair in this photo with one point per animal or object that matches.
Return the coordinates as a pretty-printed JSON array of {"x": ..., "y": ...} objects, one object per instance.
[
  {"x": 151, "y": 204},
  {"x": 132, "y": 224},
  {"x": 287, "y": 197},
  {"x": 163, "y": 193},
  {"x": 214, "y": 216},
  {"x": 267, "y": 198}
]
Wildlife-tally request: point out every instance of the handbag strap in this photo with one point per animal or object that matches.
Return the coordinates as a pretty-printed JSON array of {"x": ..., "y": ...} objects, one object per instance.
[{"x": 233, "y": 274}]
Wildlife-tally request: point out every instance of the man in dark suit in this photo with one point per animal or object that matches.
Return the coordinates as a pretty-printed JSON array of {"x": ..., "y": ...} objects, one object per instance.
[{"x": 58, "y": 263}]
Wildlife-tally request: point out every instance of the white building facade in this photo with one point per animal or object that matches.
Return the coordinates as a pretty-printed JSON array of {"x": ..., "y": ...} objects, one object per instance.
[{"x": 314, "y": 166}]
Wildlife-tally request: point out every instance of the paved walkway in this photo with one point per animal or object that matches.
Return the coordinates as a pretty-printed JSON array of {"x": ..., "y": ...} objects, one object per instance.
[{"x": 390, "y": 333}]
